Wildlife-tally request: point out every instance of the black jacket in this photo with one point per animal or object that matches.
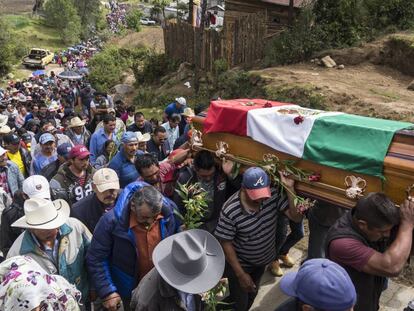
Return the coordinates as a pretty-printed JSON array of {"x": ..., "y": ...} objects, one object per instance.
[
  {"x": 147, "y": 128},
  {"x": 368, "y": 287},
  {"x": 88, "y": 210},
  {"x": 224, "y": 187},
  {"x": 50, "y": 170},
  {"x": 160, "y": 154},
  {"x": 9, "y": 234}
]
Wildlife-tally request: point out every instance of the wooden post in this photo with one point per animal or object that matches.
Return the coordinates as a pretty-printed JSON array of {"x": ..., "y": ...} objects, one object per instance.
[
  {"x": 199, "y": 40},
  {"x": 290, "y": 13}
]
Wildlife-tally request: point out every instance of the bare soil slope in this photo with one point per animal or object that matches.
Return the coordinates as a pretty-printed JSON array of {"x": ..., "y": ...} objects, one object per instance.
[
  {"x": 366, "y": 89},
  {"x": 16, "y": 6},
  {"x": 149, "y": 36}
]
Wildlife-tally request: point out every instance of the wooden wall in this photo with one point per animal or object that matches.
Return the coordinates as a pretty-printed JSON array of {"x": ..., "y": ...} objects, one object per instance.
[
  {"x": 239, "y": 43},
  {"x": 275, "y": 16}
]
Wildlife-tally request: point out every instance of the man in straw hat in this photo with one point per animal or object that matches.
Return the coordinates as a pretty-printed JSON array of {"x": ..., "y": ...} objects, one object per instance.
[
  {"x": 55, "y": 241},
  {"x": 77, "y": 132},
  {"x": 35, "y": 186},
  {"x": 124, "y": 239},
  {"x": 186, "y": 264},
  {"x": 142, "y": 141}
]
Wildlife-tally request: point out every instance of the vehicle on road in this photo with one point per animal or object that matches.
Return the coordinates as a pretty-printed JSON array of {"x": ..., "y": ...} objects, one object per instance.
[
  {"x": 147, "y": 21},
  {"x": 38, "y": 58}
]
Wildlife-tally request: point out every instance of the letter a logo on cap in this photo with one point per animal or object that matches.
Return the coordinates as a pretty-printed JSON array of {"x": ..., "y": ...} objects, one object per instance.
[{"x": 259, "y": 182}]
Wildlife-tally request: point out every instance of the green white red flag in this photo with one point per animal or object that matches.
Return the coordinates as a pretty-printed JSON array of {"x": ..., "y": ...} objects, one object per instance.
[{"x": 335, "y": 139}]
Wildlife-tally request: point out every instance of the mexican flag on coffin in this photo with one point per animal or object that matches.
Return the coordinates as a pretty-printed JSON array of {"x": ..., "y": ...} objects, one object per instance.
[{"x": 335, "y": 139}]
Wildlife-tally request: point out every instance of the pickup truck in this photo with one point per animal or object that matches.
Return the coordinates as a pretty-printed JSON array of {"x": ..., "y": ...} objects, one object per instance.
[
  {"x": 38, "y": 58},
  {"x": 147, "y": 21}
]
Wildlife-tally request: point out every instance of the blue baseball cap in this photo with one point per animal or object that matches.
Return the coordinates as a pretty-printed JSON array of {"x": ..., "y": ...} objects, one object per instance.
[
  {"x": 64, "y": 149},
  {"x": 322, "y": 284},
  {"x": 256, "y": 182},
  {"x": 46, "y": 137}
]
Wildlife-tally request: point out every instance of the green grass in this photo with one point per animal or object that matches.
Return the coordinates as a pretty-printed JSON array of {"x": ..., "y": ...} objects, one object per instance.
[
  {"x": 388, "y": 95},
  {"x": 34, "y": 32}
]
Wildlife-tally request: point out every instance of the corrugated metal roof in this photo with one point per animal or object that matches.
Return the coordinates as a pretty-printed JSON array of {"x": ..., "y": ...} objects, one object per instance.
[{"x": 297, "y": 3}]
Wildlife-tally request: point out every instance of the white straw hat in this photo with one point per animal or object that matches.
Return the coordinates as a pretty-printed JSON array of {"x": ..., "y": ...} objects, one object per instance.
[{"x": 43, "y": 214}]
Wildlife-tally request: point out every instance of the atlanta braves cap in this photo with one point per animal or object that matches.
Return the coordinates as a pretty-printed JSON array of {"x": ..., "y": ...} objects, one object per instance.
[{"x": 256, "y": 182}]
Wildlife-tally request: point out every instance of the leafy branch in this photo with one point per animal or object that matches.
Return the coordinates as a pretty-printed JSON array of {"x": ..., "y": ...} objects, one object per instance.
[
  {"x": 195, "y": 201},
  {"x": 273, "y": 165},
  {"x": 214, "y": 296}
]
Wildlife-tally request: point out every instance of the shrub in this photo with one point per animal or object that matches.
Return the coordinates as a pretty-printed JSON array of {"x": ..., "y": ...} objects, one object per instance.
[
  {"x": 237, "y": 84},
  {"x": 107, "y": 68},
  {"x": 133, "y": 19},
  {"x": 153, "y": 67},
  {"x": 6, "y": 48},
  {"x": 397, "y": 13},
  {"x": 298, "y": 42}
]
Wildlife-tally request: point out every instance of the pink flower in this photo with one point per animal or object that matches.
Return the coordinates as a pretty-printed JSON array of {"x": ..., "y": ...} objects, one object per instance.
[
  {"x": 314, "y": 177},
  {"x": 298, "y": 120}
]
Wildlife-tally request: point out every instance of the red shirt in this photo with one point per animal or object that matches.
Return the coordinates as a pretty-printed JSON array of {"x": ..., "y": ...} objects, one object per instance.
[
  {"x": 146, "y": 239},
  {"x": 350, "y": 252}
]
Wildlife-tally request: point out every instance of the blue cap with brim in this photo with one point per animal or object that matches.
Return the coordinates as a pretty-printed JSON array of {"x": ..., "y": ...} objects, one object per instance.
[
  {"x": 64, "y": 149},
  {"x": 322, "y": 284},
  {"x": 46, "y": 137}
]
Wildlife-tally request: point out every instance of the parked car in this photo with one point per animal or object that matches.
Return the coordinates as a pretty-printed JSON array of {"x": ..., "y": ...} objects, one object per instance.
[
  {"x": 38, "y": 58},
  {"x": 147, "y": 21}
]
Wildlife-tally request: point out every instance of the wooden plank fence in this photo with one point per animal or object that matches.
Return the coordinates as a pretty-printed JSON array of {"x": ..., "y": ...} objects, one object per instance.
[{"x": 240, "y": 43}]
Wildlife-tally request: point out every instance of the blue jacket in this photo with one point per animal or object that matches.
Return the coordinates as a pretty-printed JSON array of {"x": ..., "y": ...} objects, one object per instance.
[
  {"x": 124, "y": 168},
  {"x": 112, "y": 256},
  {"x": 14, "y": 177}
]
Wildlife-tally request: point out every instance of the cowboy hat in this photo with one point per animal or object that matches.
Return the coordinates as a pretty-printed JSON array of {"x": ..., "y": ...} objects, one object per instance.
[
  {"x": 3, "y": 120},
  {"x": 188, "y": 112},
  {"x": 191, "y": 261},
  {"x": 5, "y": 129},
  {"x": 143, "y": 138},
  {"x": 75, "y": 122},
  {"x": 43, "y": 214}
]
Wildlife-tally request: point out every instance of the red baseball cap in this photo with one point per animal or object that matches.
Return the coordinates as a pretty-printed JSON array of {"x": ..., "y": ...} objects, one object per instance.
[{"x": 79, "y": 151}]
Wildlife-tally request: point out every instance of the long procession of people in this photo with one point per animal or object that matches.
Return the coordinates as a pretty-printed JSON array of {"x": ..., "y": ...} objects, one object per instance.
[{"x": 93, "y": 216}]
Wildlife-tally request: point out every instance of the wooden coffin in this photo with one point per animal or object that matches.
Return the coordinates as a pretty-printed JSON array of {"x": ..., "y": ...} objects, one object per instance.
[{"x": 398, "y": 167}]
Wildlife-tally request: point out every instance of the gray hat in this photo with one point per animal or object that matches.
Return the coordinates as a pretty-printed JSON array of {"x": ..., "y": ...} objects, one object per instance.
[{"x": 191, "y": 261}]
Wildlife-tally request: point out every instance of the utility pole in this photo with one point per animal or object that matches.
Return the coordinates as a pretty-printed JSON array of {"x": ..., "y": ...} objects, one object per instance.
[
  {"x": 190, "y": 12},
  {"x": 291, "y": 12},
  {"x": 198, "y": 46}
]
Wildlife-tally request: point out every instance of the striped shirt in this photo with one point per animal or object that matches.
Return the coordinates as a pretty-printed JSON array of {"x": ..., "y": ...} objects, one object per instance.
[{"x": 252, "y": 234}]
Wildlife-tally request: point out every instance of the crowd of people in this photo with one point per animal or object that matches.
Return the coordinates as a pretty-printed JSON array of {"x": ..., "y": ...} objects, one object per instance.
[
  {"x": 116, "y": 19},
  {"x": 90, "y": 215}
]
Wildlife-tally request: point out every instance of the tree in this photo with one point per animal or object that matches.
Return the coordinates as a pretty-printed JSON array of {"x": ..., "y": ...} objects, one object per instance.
[
  {"x": 182, "y": 10},
  {"x": 89, "y": 12},
  {"x": 161, "y": 5},
  {"x": 62, "y": 15},
  {"x": 6, "y": 48},
  {"x": 133, "y": 19}
]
